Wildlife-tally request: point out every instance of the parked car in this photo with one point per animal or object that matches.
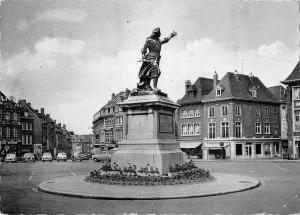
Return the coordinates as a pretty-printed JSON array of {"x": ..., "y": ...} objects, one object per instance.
[
  {"x": 104, "y": 156},
  {"x": 61, "y": 156},
  {"x": 28, "y": 157},
  {"x": 77, "y": 157},
  {"x": 11, "y": 158},
  {"x": 85, "y": 155},
  {"x": 47, "y": 157}
]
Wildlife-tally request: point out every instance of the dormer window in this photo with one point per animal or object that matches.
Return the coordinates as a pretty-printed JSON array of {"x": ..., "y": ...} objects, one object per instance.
[
  {"x": 219, "y": 90},
  {"x": 253, "y": 92}
]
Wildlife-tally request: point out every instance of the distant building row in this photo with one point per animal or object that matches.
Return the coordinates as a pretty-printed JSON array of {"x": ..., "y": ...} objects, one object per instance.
[
  {"x": 236, "y": 117},
  {"x": 24, "y": 129}
]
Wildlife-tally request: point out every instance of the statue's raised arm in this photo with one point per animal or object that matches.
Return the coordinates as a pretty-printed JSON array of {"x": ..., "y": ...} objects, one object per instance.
[{"x": 151, "y": 58}]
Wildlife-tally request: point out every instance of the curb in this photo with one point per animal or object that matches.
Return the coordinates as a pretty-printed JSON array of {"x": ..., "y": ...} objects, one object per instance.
[{"x": 254, "y": 183}]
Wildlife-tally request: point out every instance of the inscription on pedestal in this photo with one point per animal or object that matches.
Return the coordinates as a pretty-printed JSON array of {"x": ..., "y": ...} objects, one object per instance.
[{"x": 165, "y": 123}]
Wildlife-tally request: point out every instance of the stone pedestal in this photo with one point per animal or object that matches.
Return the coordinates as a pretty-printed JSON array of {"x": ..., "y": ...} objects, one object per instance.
[{"x": 150, "y": 138}]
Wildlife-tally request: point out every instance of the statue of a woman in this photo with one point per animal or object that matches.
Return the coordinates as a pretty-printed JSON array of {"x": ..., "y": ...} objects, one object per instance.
[{"x": 150, "y": 67}]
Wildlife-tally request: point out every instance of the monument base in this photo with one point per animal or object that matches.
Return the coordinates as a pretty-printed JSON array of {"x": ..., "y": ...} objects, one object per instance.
[
  {"x": 156, "y": 159},
  {"x": 151, "y": 139}
]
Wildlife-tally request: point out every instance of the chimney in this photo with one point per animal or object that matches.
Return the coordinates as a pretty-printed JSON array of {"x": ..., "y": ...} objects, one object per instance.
[
  {"x": 59, "y": 124},
  {"x": 42, "y": 111},
  {"x": 29, "y": 104},
  {"x": 64, "y": 126},
  {"x": 187, "y": 85},
  {"x": 113, "y": 95},
  {"x": 215, "y": 79},
  {"x": 48, "y": 115}
]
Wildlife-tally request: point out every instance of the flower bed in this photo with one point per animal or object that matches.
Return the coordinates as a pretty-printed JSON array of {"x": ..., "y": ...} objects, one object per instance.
[{"x": 186, "y": 174}]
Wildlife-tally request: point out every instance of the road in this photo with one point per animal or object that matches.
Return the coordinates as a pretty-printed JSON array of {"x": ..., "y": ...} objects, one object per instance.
[{"x": 279, "y": 192}]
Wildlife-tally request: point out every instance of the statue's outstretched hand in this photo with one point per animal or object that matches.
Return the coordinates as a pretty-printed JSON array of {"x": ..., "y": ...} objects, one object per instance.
[{"x": 173, "y": 34}]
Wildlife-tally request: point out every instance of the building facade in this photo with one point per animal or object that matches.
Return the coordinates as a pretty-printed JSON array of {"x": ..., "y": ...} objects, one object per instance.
[
  {"x": 236, "y": 117},
  {"x": 10, "y": 126},
  {"x": 109, "y": 123},
  {"x": 281, "y": 94},
  {"x": 81, "y": 143},
  {"x": 293, "y": 110}
]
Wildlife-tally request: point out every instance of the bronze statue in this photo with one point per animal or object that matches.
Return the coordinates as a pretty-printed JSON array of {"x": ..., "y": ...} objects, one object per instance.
[{"x": 150, "y": 67}]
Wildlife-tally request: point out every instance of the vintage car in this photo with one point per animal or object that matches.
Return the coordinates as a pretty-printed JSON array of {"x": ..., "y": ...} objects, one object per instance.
[
  {"x": 47, "y": 156},
  {"x": 28, "y": 157},
  {"x": 11, "y": 158},
  {"x": 61, "y": 156},
  {"x": 104, "y": 156},
  {"x": 77, "y": 157}
]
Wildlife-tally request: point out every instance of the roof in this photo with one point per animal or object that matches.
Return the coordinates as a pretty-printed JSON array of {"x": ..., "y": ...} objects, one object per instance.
[
  {"x": 197, "y": 91},
  {"x": 294, "y": 76},
  {"x": 236, "y": 86},
  {"x": 279, "y": 92}
]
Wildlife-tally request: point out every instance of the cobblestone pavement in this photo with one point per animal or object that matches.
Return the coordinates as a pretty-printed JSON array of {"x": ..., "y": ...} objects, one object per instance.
[{"x": 279, "y": 192}]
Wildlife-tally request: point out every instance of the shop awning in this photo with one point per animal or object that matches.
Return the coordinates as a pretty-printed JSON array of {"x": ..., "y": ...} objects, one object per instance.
[{"x": 189, "y": 145}]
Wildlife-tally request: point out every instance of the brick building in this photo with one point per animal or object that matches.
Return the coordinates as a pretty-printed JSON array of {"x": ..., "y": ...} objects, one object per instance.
[
  {"x": 236, "y": 117},
  {"x": 293, "y": 110},
  {"x": 109, "y": 122},
  {"x": 10, "y": 126}
]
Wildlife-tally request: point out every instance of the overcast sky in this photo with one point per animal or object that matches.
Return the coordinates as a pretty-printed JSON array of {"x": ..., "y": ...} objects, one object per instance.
[{"x": 69, "y": 56}]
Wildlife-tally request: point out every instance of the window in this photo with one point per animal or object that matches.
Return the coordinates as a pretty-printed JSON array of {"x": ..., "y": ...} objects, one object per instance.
[
  {"x": 0, "y": 132},
  {"x": 15, "y": 116},
  {"x": 25, "y": 114},
  {"x": 238, "y": 129},
  {"x": 23, "y": 139},
  {"x": 191, "y": 113},
  {"x": 224, "y": 111},
  {"x": 211, "y": 112},
  {"x": 218, "y": 92},
  {"x": 258, "y": 128},
  {"x": 197, "y": 112},
  {"x": 211, "y": 130},
  {"x": 184, "y": 113},
  {"x": 267, "y": 111},
  {"x": 225, "y": 130},
  {"x": 267, "y": 128},
  {"x": 257, "y": 113},
  {"x": 26, "y": 126},
  {"x": 30, "y": 139},
  {"x": 297, "y": 115},
  {"x": 253, "y": 92},
  {"x": 7, "y": 116},
  {"x": 197, "y": 129},
  {"x": 184, "y": 130},
  {"x": 26, "y": 139},
  {"x": 239, "y": 149},
  {"x": 191, "y": 129},
  {"x": 15, "y": 133},
  {"x": 0, "y": 115},
  {"x": 30, "y": 126},
  {"x": 23, "y": 125},
  {"x": 275, "y": 110},
  {"x": 7, "y": 132},
  {"x": 238, "y": 110}
]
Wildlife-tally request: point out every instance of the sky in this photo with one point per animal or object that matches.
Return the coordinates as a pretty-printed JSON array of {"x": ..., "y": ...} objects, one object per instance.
[{"x": 69, "y": 56}]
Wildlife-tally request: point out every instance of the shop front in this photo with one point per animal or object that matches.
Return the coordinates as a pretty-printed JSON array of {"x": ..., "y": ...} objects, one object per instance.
[
  {"x": 193, "y": 149},
  {"x": 256, "y": 149},
  {"x": 216, "y": 150}
]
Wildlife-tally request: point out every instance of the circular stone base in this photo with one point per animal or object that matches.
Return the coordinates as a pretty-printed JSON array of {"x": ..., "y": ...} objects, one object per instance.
[{"x": 76, "y": 186}]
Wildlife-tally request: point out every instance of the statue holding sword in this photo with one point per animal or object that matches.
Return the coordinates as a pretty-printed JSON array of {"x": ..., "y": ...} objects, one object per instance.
[{"x": 150, "y": 61}]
